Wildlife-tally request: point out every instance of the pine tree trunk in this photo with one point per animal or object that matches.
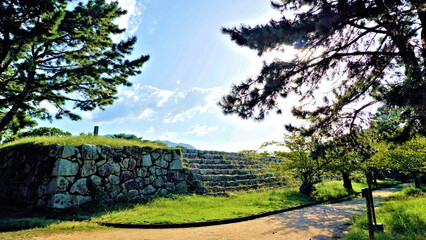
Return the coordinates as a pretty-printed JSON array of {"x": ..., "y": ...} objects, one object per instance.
[
  {"x": 375, "y": 176},
  {"x": 17, "y": 104},
  {"x": 307, "y": 188},
  {"x": 417, "y": 183},
  {"x": 347, "y": 184}
]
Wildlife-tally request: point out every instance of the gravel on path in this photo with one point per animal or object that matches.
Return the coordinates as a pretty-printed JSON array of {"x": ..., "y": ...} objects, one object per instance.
[{"x": 316, "y": 222}]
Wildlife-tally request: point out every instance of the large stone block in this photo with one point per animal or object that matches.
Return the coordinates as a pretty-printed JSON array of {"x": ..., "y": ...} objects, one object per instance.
[
  {"x": 89, "y": 152},
  {"x": 176, "y": 165},
  {"x": 161, "y": 163},
  {"x": 181, "y": 187},
  {"x": 113, "y": 179},
  {"x": 108, "y": 152},
  {"x": 176, "y": 154},
  {"x": 148, "y": 190},
  {"x": 170, "y": 186},
  {"x": 58, "y": 184},
  {"x": 88, "y": 168},
  {"x": 109, "y": 168},
  {"x": 80, "y": 187},
  {"x": 114, "y": 190},
  {"x": 146, "y": 160},
  {"x": 64, "y": 201},
  {"x": 142, "y": 172},
  {"x": 61, "y": 201},
  {"x": 135, "y": 152},
  {"x": 131, "y": 184},
  {"x": 133, "y": 193},
  {"x": 155, "y": 155},
  {"x": 64, "y": 167},
  {"x": 167, "y": 157},
  {"x": 95, "y": 180},
  {"x": 68, "y": 151},
  {"x": 129, "y": 163},
  {"x": 78, "y": 200},
  {"x": 158, "y": 183},
  {"x": 126, "y": 175}
]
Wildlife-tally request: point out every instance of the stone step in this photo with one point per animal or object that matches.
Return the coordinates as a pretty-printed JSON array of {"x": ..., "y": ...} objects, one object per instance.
[
  {"x": 229, "y": 177},
  {"x": 226, "y": 171},
  {"x": 239, "y": 182},
  {"x": 223, "y": 161},
  {"x": 225, "y": 166},
  {"x": 216, "y": 189}
]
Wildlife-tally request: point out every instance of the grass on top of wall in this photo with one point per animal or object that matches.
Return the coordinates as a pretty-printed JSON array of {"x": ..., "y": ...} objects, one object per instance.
[
  {"x": 403, "y": 216},
  {"x": 80, "y": 140}
]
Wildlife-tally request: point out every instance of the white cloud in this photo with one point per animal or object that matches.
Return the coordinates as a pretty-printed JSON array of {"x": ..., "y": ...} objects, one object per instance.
[
  {"x": 147, "y": 114},
  {"x": 167, "y": 135},
  {"x": 150, "y": 130},
  {"x": 164, "y": 95},
  {"x": 49, "y": 107},
  {"x": 131, "y": 20},
  {"x": 178, "y": 117},
  {"x": 208, "y": 99},
  {"x": 201, "y": 130},
  {"x": 178, "y": 82}
]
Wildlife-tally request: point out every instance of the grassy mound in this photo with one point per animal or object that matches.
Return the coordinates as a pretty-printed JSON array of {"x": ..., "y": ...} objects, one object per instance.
[{"x": 80, "y": 140}]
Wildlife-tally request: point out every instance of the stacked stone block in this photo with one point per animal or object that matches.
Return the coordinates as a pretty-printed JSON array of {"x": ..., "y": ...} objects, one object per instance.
[
  {"x": 61, "y": 177},
  {"x": 66, "y": 176},
  {"x": 213, "y": 172}
]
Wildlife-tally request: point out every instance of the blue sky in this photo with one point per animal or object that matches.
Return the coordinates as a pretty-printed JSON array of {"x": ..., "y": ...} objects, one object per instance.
[{"x": 192, "y": 66}]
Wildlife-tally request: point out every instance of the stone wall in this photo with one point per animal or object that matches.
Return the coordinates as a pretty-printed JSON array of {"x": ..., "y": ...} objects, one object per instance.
[
  {"x": 61, "y": 177},
  {"x": 65, "y": 176}
]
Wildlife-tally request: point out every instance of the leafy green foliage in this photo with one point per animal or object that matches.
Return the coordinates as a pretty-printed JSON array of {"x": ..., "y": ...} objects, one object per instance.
[
  {"x": 304, "y": 158},
  {"x": 60, "y": 54},
  {"x": 403, "y": 216},
  {"x": 127, "y": 136},
  {"x": 44, "y": 131},
  {"x": 366, "y": 51},
  {"x": 41, "y": 131}
]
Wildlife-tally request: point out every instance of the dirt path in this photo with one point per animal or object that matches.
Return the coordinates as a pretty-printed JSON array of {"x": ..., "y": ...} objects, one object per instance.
[{"x": 316, "y": 222}]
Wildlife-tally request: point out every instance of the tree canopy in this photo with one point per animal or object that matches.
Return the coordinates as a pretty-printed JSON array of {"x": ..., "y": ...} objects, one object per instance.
[
  {"x": 52, "y": 51},
  {"x": 368, "y": 51}
]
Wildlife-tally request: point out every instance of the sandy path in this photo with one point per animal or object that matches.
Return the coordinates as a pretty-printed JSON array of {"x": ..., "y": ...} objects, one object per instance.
[{"x": 316, "y": 222}]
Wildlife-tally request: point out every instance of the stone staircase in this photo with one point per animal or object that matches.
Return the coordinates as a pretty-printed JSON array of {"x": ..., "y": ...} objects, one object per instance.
[{"x": 215, "y": 173}]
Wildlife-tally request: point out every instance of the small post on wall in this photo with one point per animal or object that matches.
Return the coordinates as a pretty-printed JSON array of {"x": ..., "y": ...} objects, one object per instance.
[{"x": 96, "y": 131}]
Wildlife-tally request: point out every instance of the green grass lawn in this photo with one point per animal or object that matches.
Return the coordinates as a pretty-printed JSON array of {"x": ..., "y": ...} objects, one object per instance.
[
  {"x": 177, "y": 209},
  {"x": 80, "y": 140},
  {"x": 403, "y": 216},
  {"x": 195, "y": 208}
]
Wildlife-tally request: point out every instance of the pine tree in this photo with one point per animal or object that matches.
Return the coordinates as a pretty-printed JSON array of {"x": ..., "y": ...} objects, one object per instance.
[
  {"x": 51, "y": 50},
  {"x": 373, "y": 51}
]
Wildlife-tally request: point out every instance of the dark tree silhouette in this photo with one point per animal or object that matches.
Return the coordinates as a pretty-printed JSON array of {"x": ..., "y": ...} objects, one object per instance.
[
  {"x": 63, "y": 54},
  {"x": 370, "y": 51}
]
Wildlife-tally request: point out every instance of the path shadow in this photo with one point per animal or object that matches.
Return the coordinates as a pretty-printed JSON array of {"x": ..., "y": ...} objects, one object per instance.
[{"x": 322, "y": 221}]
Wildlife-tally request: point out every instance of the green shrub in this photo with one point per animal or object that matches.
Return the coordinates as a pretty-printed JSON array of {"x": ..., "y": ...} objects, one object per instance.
[{"x": 403, "y": 216}]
